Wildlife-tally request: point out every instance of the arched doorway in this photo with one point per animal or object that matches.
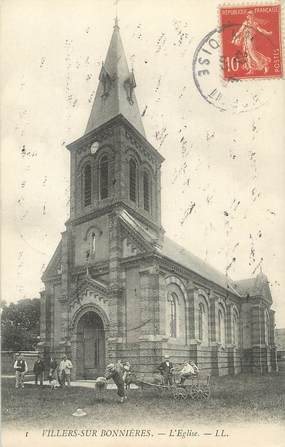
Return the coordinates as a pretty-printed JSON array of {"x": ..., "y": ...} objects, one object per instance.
[{"x": 90, "y": 352}]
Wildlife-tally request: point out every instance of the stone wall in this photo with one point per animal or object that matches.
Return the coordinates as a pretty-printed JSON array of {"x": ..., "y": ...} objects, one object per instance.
[{"x": 8, "y": 359}]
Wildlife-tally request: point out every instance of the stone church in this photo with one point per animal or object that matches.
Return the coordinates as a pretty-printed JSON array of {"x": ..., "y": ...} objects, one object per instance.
[{"x": 116, "y": 286}]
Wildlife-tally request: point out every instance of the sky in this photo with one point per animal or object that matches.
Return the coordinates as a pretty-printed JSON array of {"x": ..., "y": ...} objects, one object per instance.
[{"x": 223, "y": 177}]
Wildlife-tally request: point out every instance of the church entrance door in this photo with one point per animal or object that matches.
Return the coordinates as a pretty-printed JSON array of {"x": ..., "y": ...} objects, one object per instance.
[{"x": 90, "y": 346}]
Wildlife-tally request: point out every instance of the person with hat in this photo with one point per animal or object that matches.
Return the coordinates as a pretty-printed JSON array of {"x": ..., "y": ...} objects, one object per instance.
[
  {"x": 21, "y": 368},
  {"x": 39, "y": 368},
  {"x": 166, "y": 370}
]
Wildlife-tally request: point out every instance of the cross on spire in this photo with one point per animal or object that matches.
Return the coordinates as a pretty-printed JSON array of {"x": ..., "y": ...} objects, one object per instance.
[{"x": 116, "y": 22}]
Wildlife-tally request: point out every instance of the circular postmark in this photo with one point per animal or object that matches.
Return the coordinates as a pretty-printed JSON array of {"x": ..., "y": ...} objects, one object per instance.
[{"x": 235, "y": 95}]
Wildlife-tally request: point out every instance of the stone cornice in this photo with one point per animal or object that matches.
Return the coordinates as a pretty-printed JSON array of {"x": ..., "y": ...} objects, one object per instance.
[
  {"x": 99, "y": 268},
  {"x": 54, "y": 279},
  {"x": 108, "y": 209},
  {"x": 98, "y": 134},
  {"x": 173, "y": 266},
  {"x": 135, "y": 260},
  {"x": 147, "y": 150},
  {"x": 137, "y": 238}
]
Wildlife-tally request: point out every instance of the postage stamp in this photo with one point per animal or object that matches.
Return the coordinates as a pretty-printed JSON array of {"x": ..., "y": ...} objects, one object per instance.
[
  {"x": 231, "y": 94},
  {"x": 251, "y": 41}
]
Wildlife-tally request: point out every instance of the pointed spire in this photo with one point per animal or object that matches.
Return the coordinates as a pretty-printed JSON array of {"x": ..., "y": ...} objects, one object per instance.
[{"x": 115, "y": 92}]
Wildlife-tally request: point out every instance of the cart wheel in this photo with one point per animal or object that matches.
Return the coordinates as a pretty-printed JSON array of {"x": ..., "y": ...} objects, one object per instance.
[
  {"x": 205, "y": 392},
  {"x": 193, "y": 392},
  {"x": 179, "y": 393},
  {"x": 197, "y": 394}
]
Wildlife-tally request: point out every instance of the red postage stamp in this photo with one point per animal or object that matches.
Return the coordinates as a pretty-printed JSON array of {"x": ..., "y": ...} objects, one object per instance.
[{"x": 251, "y": 42}]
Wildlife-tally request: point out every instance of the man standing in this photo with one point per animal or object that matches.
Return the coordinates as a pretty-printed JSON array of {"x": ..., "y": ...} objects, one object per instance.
[
  {"x": 21, "y": 368},
  {"x": 39, "y": 368},
  {"x": 65, "y": 368},
  {"x": 166, "y": 369}
]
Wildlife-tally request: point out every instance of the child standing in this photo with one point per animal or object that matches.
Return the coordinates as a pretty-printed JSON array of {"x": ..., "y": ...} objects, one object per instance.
[{"x": 53, "y": 373}]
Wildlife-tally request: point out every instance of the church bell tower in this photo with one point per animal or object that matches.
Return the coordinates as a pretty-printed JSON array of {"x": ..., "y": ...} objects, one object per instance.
[{"x": 113, "y": 166}]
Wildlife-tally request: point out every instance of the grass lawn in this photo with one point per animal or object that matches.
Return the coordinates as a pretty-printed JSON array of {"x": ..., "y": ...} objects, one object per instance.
[{"x": 240, "y": 399}]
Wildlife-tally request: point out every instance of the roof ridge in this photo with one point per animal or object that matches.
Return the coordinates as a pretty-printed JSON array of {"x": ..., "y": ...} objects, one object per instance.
[{"x": 201, "y": 260}]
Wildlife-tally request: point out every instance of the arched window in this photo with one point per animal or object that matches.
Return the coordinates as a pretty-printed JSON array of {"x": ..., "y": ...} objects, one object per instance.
[
  {"x": 236, "y": 330},
  {"x": 146, "y": 191},
  {"x": 221, "y": 327},
  {"x": 104, "y": 177},
  {"x": 172, "y": 302},
  {"x": 87, "y": 185},
  {"x": 133, "y": 180},
  {"x": 203, "y": 330}
]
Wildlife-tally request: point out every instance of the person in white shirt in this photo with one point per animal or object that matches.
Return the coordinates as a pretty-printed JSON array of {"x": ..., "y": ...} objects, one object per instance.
[
  {"x": 65, "y": 368},
  {"x": 189, "y": 369},
  {"x": 21, "y": 368},
  {"x": 195, "y": 367}
]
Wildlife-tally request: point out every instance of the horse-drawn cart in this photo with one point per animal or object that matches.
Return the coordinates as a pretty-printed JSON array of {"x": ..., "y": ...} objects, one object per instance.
[{"x": 196, "y": 387}]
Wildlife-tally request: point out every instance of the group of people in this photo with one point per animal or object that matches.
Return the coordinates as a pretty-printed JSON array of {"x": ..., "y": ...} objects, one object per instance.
[
  {"x": 121, "y": 372},
  {"x": 59, "y": 374}
]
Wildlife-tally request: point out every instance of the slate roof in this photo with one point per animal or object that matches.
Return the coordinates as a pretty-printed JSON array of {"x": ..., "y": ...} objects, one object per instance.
[
  {"x": 180, "y": 255},
  {"x": 106, "y": 107},
  {"x": 177, "y": 253},
  {"x": 252, "y": 286},
  {"x": 51, "y": 268}
]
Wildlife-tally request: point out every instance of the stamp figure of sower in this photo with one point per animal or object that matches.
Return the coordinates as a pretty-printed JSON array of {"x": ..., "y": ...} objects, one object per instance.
[{"x": 245, "y": 38}]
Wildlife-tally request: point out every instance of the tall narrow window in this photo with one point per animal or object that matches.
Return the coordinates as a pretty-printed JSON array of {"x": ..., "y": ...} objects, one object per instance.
[
  {"x": 104, "y": 177},
  {"x": 146, "y": 191},
  {"x": 236, "y": 330},
  {"x": 87, "y": 185},
  {"x": 133, "y": 180},
  {"x": 201, "y": 320},
  {"x": 266, "y": 328},
  {"x": 93, "y": 243},
  {"x": 172, "y": 300},
  {"x": 221, "y": 327}
]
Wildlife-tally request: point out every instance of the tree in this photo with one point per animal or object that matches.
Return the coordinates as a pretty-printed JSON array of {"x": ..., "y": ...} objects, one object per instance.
[{"x": 20, "y": 325}]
